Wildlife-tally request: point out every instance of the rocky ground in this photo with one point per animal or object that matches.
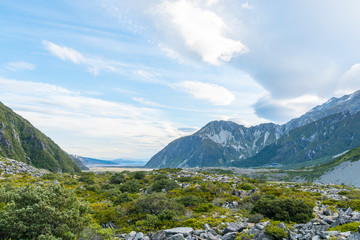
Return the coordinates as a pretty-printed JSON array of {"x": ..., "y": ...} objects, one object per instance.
[{"x": 11, "y": 167}]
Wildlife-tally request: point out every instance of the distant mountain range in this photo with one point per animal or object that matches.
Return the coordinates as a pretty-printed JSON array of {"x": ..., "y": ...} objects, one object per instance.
[
  {"x": 21, "y": 141},
  {"x": 92, "y": 162},
  {"x": 314, "y": 137}
]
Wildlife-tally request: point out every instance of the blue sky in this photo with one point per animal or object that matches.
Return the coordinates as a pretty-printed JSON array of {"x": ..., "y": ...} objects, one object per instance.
[{"x": 112, "y": 78}]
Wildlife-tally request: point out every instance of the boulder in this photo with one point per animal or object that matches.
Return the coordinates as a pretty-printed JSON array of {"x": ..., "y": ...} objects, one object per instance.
[
  {"x": 185, "y": 231},
  {"x": 229, "y": 236},
  {"x": 161, "y": 235},
  {"x": 234, "y": 227},
  {"x": 139, "y": 236},
  {"x": 178, "y": 236},
  {"x": 130, "y": 236}
]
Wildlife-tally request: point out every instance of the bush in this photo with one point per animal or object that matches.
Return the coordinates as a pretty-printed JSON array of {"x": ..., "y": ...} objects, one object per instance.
[
  {"x": 166, "y": 184},
  {"x": 35, "y": 213},
  {"x": 151, "y": 221},
  {"x": 167, "y": 215},
  {"x": 255, "y": 218},
  {"x": 246, "y": 186},
  {"x": 96, "y": 232},
  {"x": 155, "y": 203},
  {"x": 204, "y": 207},
  {"x": 353, "y": 227},
  {"x": 191, "y": 201},
  {"x": 122, "y": 198},
  {"x": 284, "y": 209},
  {"x": 353, "y": 204},
  {"x": 139, "y": 175},
  {"x": 131, "y": 186},
  {"x": 117, "y": 178},
  {"x": 275, "y": 232}
]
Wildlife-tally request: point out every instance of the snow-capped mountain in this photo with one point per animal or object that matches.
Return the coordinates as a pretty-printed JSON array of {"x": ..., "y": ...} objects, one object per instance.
[{"x": 225, "y": 143}]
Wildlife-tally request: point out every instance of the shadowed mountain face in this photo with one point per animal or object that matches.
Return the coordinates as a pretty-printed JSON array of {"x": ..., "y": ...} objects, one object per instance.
[
  {"x": 21, "y": 141},
  {"x": 224, "y": 143}
]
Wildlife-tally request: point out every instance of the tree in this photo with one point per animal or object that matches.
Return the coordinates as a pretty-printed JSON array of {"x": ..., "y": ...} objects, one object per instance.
[{"x": 41, "y": 213}]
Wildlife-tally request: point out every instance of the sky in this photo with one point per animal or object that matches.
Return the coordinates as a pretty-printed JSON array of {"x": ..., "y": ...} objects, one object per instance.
[{"x": 121, "y": 79}]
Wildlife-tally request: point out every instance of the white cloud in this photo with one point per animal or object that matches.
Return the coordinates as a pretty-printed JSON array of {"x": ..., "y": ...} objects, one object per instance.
[
  {"x": 215, "y": 94},
  {"x": 89, "y": 126},
  {"x": 20, "y": 66},
  {"x": 349, "y": 81},
  {"x": 145, "y": 102},
  {"x": 282, "y": 110},
  {"x": 247, "y": 6},
  {"x": 94, "y": 65},
  {"x": 202, "y": 30}
]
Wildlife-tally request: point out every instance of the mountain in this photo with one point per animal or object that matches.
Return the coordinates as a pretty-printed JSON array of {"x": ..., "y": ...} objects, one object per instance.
[
  {"x": 224, "y": 143},
  {"x": 78, "y": 162},
  {"x": 21, "y": 141},
  {"x": 319, "y": 140},
  {"x": 92, "y": 161},
  {"x": 341, "y": 170},
  {"x": 219, "y": 143}
]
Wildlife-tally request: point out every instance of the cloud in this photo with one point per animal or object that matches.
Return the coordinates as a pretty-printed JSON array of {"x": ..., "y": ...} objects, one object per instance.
[
  {"x": 20, "y": 66},
  {"x": 94, "y": 65},
  {"x": 212, "y": 93},
  {"x": 282, "y": 110},
  {"x": 247, "y": 6},
  {"x": 202, "y": 30},
  {"x": 89, "y": 126},
  {"x": 145, "y": 102},
  {"x": 349, "y": 81}
]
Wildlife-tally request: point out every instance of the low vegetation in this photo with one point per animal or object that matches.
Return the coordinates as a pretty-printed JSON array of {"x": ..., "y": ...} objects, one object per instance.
[{"x": 78, "y": 206}]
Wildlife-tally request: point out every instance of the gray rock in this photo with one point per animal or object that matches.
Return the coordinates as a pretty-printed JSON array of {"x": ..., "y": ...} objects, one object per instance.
[
  {"x": 327, "y": 212},
  {"x": 234, "y": 227},
  {"x": 207, "y": 227},
  {"x": 355, "y": 236},
  {"x": 139, "y": 236},
  {"x": 260, "y": 226},
  {"x": 185, "y": 231},
  {"x": 316, "y": 237},
  {"x": 229, "y": 236},
  {"x": 146, "y": 238},
  {"x": 198, "y": 232},
  {"x": 328, "y": 220},
  {"x": 131, "y": 235},
  {"x": 348, "y": 211},
  {"x": 282, "y": 225},
  {"x": 292, "y": 235},
  {"x": 178, "y": 236},
  {"x": 161, "y": 235}
]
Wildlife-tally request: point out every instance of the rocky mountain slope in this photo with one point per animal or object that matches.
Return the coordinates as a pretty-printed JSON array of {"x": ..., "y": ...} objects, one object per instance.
[
  {"x": 320, "y": 139},
  {"x": 341, "y": 170},
  {"x": 224, "y": 143},
  {"x": 21, "y": 141}
]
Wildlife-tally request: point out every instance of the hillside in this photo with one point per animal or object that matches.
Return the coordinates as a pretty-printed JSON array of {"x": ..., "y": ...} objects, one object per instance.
[
  {"x": 225, "y": 143},
  {"x": 315, "y": 141},
  {"x": 341, "y": 170},
  {"x": 21, "y": 141}
]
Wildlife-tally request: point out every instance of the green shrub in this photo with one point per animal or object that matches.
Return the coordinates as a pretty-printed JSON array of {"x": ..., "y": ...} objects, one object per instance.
[
  {"x": 275, "y": 232},
  {"x": 166, "y": 184},
  {"x": 167, "y": 215},
  {"x": 117, "y": 178},
  {"x": 139, "y": 175},
  {"x": 284, "y": 209},
  {"x": 353, "y": 227},
  {"x": 151, "y": 221},
  {"x": 155, "y": 203},
  {"x": 246, "y": 186},
  {"x": 204, "y": 207},
  {"x": 122, "y": 198},
  {"x": 35, "y": 213},
  {"x": 255, "y": 218},
  {"x": 130, "y": 186},
  {"x": 353, "y": 204},
  {"x": 96, "y": 232},
  {"x": 87, "y": 179},
  {"x": 191, "y": 201}
]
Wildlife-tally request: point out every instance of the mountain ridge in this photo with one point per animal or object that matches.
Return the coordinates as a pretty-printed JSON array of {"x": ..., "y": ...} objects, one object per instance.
[
  {"x": 221, "y": 143},
  {"x": 20, "y": 140}
]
